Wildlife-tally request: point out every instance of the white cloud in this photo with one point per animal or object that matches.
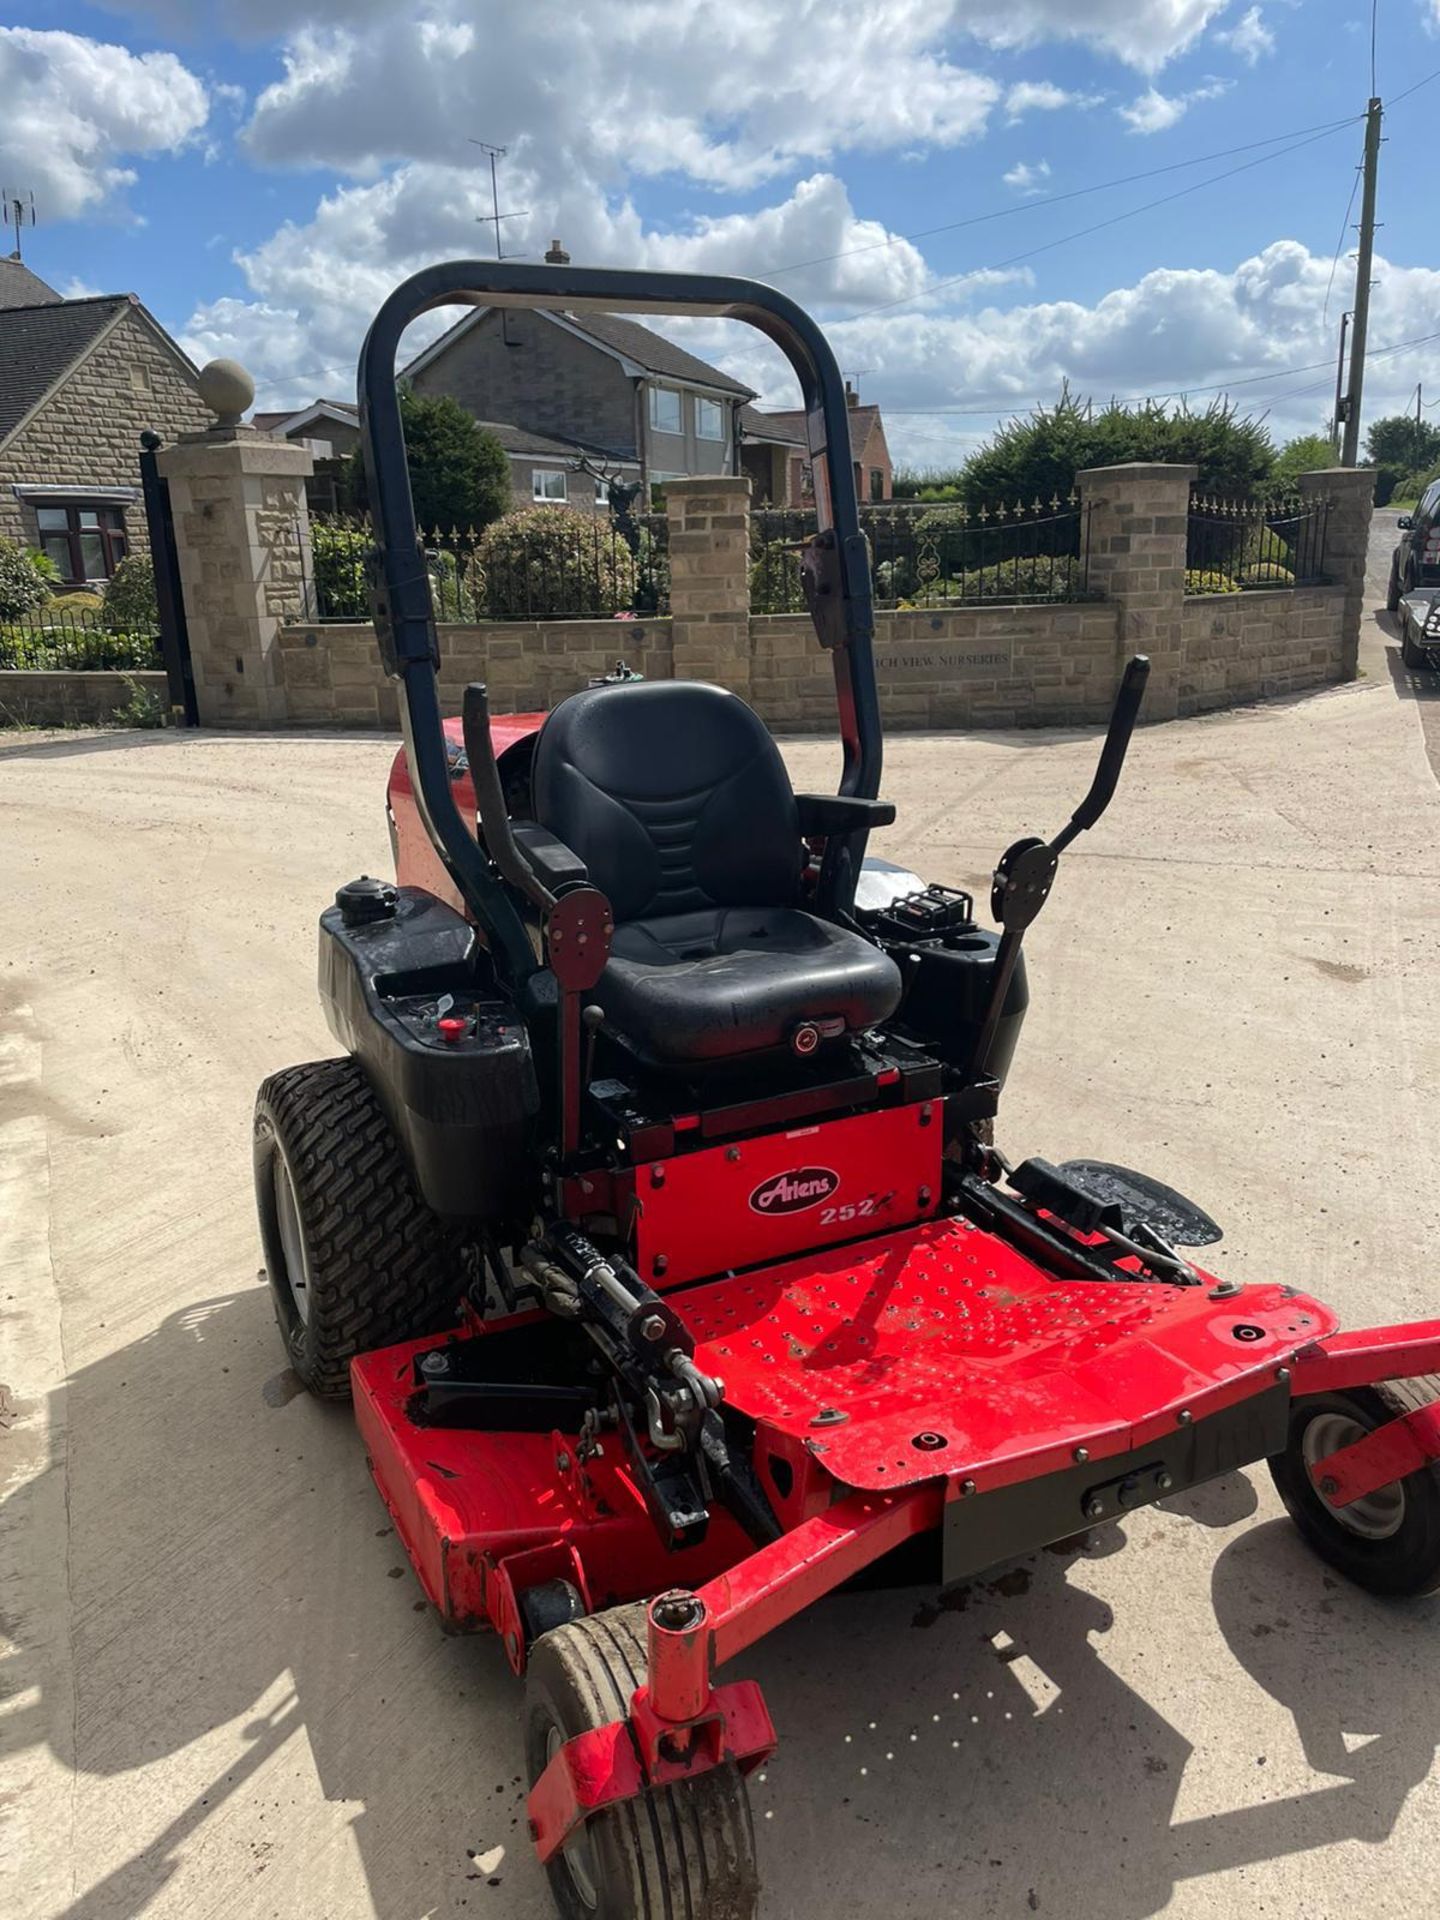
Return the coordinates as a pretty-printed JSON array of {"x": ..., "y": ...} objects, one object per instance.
[
  {"x": 74, "y": 109},
  {"x": 1155, "y": 112},
  {"x": 1174, "y": 330},
  {"x": 1043, "y": 96},
  {"x": 727, "y": 96},
  {"x": 1152, "y": 111},
  {"x": 1251, "y": 38},
  {"x": 1143, "y": 33},
  {"x": 316, "y": 285},
  {"x": 1027, "y": 179}
]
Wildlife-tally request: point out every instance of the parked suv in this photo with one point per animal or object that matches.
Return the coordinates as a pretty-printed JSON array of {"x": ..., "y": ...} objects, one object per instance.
[{"x": 1416, "y": 562}]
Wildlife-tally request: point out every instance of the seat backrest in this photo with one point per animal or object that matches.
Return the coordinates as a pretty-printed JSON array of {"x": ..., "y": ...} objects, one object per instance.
[{"x": 673, "y": 794}]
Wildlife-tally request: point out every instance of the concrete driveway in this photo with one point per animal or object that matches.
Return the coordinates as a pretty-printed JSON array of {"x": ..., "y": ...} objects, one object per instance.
[{"x": 222, "y": 1692}]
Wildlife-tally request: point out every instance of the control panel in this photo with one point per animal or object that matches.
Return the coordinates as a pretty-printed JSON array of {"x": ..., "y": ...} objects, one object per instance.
[{"x": 459, "y": 1022}]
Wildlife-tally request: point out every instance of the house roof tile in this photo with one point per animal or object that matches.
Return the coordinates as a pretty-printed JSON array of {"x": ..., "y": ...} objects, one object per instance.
[
  {"x": 39, "y": 342},
  {"x": 19, "y": 287}
]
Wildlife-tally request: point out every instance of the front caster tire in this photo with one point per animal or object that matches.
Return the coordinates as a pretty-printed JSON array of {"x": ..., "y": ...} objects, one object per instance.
[
  {"x": 687, "y": 1849},
  {"x": 355, "y": 1258},
  {"x": 1388, "y": 1541}
]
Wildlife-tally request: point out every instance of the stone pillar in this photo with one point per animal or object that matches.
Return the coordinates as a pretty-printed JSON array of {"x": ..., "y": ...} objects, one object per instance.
[
  {"x": 1139, "y": 515},
  {"x": 243, "y": 537},
  {"x": 1351, "y": 492},
  {"x": 710, "y": 579}
]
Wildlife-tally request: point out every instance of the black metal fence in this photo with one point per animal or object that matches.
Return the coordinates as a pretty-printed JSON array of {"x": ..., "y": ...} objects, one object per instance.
[
  {"x": 54, "y": 636},
  {"x": 543, "y": 563},
  {"x": 931, "y": 555},
  {"x": 1242, "y": 545}
]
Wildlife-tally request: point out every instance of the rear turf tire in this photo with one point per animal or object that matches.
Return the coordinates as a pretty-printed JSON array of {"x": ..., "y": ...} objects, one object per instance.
[
  {"x": 355, "y": 1258},
  {"x": 1390, "y": 1541},
  {"x": 685, "y": 1851}
]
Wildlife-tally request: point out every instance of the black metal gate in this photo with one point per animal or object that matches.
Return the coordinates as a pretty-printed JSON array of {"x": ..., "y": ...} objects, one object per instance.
[{"x": 174, "y": 634}]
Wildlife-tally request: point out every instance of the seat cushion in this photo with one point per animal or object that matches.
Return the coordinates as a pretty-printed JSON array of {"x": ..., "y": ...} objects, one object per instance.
[
  {"x": 734, "y": 980},
  {"x": 674, "y": 796}
]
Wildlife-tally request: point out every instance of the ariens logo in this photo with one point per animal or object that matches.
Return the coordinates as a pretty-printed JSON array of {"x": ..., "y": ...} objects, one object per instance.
[{"x": 792, "y": 1192}]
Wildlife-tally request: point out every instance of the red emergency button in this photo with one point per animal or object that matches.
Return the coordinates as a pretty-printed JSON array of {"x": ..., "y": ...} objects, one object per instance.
[{"x": 451, "y": 1028}]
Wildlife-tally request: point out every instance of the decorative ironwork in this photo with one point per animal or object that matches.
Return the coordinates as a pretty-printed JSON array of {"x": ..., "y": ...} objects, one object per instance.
[
  {"x": 925, "y": 554},
  {"x": 1255, "y": 544},
  {"x": 54, "y": 636},
  {"x": 575, "y": 567}
]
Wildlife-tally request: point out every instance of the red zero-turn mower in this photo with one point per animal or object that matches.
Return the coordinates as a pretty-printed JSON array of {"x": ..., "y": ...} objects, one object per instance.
[{"x": 653, "y": 1219}]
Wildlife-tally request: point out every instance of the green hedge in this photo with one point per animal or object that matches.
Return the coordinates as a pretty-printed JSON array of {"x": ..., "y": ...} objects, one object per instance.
[{"x": 1209, "y": 580}]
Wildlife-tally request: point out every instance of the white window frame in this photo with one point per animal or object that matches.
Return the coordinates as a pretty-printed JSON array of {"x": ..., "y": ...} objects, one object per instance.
[
  {"x": 602, "y": 492},
  {"x": 538, "y": 492},
  {"x": 669, "y": 393},
  {"x": 717, "y": 412}
]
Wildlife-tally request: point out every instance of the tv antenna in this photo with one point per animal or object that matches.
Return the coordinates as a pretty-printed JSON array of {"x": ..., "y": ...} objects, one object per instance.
[
  {"x": 494, "y": 217},
  {"x": 19, "y": 212}
]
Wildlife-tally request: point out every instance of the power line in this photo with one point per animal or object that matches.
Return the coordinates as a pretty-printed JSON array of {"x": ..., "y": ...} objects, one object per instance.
[
  {"x": 1058, "y": 199},
  {"x": 1098, "y": 226},
  {"x": 1174, "y": 393},
  {"x": 1339, "y": 244}
]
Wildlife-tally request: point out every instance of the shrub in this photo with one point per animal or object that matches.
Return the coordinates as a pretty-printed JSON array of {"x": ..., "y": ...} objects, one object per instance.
[
  {"x": 144, "y": 708},
  {"x": 775, "y": 581},
  {"x": 459, "y": 472},
  {"x": 1209, "y": 580},
  {"x": 1307, "y": 453},
  {"x": 1266, "y": 575},
  {"x": 24, "y": 580},
  {"x": 1263, "y": 547},
  {"x": 67, "y": 643},
  {"x": 1038, "y": 456},
  {"x": 545, "y": 561},
  {"x": 337, "y": 551},
  {"x": 130, "y": 605},
  {"x": 1060, "y": 578}
]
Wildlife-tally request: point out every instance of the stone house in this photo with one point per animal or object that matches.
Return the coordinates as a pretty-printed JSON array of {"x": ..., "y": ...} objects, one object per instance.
[
  {"x": 544, "y": 468},
  {"x": 775, "y": 454},
  {"x": 328, "y": 428},
  {"x": 640, "y": 403},
  {"x": 80, "y": 381}
]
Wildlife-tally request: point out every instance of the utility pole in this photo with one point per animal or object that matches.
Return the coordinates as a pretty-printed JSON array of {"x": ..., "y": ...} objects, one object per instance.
[
  {"x": 1419, "y": 429},
  {"x": 1338, "y": 419},
  {"x": 1350, "y": 449}
]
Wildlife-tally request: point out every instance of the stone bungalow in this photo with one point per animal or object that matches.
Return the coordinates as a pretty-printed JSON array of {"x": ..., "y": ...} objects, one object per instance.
[{"x": 80, "y": 380}]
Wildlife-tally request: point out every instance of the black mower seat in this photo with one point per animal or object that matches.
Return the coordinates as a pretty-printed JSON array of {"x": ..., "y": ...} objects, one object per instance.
[{"x": 677, "y": 800}]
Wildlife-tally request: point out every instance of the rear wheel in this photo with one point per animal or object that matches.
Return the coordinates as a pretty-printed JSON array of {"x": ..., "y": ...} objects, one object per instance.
[
  {"x": 1389, "y": 1540},
  {"x": 687, "y": 1849},
  {"x": 355, "y": 1258}
]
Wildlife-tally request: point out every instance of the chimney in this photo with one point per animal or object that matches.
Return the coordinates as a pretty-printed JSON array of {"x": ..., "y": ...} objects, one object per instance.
[
  {"x": 557, "y": 256},
  {"x": 852, "y": 398}
]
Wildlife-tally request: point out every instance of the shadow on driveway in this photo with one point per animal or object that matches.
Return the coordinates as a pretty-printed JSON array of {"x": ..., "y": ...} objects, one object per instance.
[{"x": 230, "y": 1563}]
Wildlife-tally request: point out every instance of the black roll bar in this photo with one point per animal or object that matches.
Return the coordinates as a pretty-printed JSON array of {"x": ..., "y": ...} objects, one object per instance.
[{"x": 837, "y": 565}]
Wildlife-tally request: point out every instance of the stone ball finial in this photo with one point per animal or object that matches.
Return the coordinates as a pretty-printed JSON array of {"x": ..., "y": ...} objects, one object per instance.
[{"x": 227, "y": 390}]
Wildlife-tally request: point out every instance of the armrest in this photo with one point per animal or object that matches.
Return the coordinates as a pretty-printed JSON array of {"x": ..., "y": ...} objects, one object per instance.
[
  {"x": 826, "y": 813},
  {"x": 556, "y": 864}
]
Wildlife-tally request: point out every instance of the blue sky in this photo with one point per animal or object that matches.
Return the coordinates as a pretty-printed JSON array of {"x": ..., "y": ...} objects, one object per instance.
[{"x": 260, "y": 171}]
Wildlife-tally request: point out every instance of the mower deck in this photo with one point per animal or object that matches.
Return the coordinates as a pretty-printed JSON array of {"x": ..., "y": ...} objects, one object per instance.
[{"x": 934, "y": 1354}]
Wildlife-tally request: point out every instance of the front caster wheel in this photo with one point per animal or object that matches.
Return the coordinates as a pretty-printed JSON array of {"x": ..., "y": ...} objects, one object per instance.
[
  {"x": 1389, "y": 1540},
  {"x": 686, "y": 1849}
]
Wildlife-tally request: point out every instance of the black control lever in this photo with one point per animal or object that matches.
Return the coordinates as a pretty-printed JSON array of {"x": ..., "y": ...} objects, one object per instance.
[
  {"x": 490, "y": 804},
  {"x": 1027, "y": 869},
  {"x": 1123, "y": 716}
]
